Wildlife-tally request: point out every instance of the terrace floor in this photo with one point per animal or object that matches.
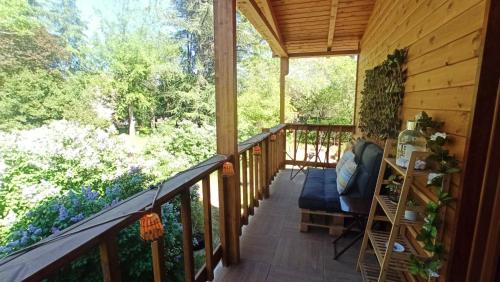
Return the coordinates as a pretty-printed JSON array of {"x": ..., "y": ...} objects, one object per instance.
[{"x": 273, "y": 248}]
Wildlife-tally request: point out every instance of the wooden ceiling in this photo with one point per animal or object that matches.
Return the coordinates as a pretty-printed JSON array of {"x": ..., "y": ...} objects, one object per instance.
[{"x": 301, "y": 28}]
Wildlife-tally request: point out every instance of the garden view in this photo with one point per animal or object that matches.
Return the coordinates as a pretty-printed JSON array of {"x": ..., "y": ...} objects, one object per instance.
[{"x": 102, "y": 99}]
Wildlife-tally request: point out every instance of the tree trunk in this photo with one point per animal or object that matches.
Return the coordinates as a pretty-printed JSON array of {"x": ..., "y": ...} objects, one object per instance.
[{"x": 131, "y": 121}]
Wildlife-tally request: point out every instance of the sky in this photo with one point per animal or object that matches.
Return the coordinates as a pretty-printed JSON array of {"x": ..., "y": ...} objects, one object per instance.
[
  {"x": 89, "y": 8},
  {"x": 93, "y": 10}
]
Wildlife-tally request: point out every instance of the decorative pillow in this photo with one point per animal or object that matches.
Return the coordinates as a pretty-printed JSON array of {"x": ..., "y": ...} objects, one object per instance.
[
  {"x": 345, "y": 174},
  {"x": 348, "y": 155}
]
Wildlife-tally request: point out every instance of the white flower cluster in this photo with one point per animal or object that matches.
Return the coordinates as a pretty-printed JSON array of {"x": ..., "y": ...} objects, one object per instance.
[{"x": 438, "y": 134}]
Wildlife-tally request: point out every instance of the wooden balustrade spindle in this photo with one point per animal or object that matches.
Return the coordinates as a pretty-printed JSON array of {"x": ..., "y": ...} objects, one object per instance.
[
  {"x": 158, "y": 254},
  {"x": 305, "y": 146},
  {"x": 110, "y": 262},
  {"x": 207, "y": 218},
  {"x": 244, "y": 168},
  {"x": 294, "y": 145},
  {"x": 317, "y": 146},
  {"x": 187, "y": 236},
  {"x": 327, "y": 152},
  {"x": 265, "y": 169},
  {"x": 252, "y": 183},
  {"x": 340, "y": 146},
  {"x": 258, "y": 176}
]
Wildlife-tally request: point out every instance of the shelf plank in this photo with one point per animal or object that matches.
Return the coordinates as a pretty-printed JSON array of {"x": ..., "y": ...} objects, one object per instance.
[
  {"x": 390, "y": 210},
  {"x": 403, "y": 171},
  {"x": 398, "y": 261},
  {"x": 370, "y": 273}
]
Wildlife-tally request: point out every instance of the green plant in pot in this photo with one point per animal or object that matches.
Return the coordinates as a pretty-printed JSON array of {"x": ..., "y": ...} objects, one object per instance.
[
  {"x": 394, "y": 187},
  {"x": 411, "y": 212}
]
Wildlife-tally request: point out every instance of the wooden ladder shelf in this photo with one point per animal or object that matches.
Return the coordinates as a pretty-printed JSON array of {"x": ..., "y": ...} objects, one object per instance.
[{"x": 391, "y": 265}]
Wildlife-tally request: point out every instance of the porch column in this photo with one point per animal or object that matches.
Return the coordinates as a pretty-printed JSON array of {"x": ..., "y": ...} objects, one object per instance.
[
  {"x": 226, "y": 123},
  {"x": 283, "y": 74}
]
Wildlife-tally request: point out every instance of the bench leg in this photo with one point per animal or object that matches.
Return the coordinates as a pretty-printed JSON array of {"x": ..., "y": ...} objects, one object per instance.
[{"x": 305, "y": 218}]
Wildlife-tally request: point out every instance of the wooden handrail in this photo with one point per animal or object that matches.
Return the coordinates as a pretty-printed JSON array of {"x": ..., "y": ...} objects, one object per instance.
[
  {"x": 52, "y": 253},
  {"x": 318, "y": 140}
]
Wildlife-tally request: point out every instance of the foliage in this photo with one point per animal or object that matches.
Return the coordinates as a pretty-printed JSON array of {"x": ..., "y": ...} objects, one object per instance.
[
  {"x": 57, "y": 175},
  {"x": 322, "y": 89},
  {"x": 382, "y": 97},
  {"x": 442, "y": 164}
]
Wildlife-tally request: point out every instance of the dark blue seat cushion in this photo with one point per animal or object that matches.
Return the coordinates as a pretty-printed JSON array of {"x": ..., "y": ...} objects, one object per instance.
[
  {"x": 320, "y": 191},
  {"x": 320, "y": 187}
]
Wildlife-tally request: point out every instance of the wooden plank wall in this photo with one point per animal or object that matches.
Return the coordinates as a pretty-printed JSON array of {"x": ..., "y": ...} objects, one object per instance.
[{"x": 443, "y": 37}]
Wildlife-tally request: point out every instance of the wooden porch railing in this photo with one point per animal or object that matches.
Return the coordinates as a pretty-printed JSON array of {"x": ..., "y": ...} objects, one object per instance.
[
  {"x": 256, "y": 174},
  {"x": 316, "y": 145}
]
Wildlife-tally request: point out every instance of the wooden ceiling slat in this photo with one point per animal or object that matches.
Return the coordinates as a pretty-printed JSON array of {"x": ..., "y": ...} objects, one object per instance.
[
  {"x": 301, "y": 8},
  {"x": 292, "y": 26},
  {"x": 308, "y": 25},
  {"x": 306, "y": 19},
  {"x": 285, "y": 17}
]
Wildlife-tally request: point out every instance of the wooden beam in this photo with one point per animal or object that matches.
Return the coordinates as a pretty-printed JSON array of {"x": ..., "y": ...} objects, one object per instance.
[
  {"x": 323, "y": 54},
  {"x": 333, "y": 20},
  {"x": 226, "y": 124},
  {"x": 283, "y": 73},
  {"x": 256, "y": 17},
  {"x": 268, "y": 11}
]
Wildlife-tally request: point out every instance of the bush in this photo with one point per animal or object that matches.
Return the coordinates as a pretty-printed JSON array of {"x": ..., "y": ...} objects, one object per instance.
[{"x": 56, "y": 175}]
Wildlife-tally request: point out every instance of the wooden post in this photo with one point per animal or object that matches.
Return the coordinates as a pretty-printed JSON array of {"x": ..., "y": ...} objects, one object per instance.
[
  {"x": 226, "y": 121},
  {"x": 283, "y": 73},
  {"x": 110, "y": 262},
  {"x": 158, "y": 255}
]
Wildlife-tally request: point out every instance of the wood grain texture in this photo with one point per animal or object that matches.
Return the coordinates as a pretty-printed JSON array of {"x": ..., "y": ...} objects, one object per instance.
[
  {"x": 323, "y": 26},
  {"x": 443, "y": 37},
  {"x": 226, "y": 124}
]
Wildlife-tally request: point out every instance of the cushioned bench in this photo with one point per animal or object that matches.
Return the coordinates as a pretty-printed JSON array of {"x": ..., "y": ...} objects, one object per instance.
[
  {"x": 319, "y": 194},
  {"x": 320, "y": 191}
]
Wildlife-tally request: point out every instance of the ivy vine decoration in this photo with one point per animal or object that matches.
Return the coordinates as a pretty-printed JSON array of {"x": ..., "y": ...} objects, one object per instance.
[
  {"x": 382, "y": 97},
  {"x": 442, "y": 164}
]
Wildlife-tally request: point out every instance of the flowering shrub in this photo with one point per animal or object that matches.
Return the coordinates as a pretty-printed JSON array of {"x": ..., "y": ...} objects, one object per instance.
[{"x": 59, "y": 174}]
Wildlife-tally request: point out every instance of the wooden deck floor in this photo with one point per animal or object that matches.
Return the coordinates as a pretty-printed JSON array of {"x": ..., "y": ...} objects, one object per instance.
[{"x": 273, "y": 248}]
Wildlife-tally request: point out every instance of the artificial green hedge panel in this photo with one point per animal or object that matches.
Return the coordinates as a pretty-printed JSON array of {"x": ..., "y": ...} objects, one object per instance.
[{"x": 382, "y": 97}]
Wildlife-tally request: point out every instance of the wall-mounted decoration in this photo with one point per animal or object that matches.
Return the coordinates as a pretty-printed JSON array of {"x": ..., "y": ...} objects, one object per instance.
[{"x": 382, "y": 97}]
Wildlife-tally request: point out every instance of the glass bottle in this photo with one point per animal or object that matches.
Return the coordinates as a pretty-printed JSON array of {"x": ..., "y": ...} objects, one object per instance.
[{"x": 410, "y": 140}]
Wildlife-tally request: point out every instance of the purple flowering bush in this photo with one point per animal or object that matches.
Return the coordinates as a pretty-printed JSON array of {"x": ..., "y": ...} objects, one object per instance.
[{"x": 59, "y": 174}]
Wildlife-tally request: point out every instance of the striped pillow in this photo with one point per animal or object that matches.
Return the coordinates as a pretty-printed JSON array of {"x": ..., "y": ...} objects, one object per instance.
[
  {"x": 348, "y": 155},
  {"x": 346, "y": 172}
]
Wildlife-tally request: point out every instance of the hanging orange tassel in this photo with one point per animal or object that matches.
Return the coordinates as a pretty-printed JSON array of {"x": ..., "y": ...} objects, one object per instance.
[
  {"x": 227, "y": 169},
  {"x": 257, "y": 151},
  {"x": 151, "y": 227},
  {"x": 273, "y": 137}
]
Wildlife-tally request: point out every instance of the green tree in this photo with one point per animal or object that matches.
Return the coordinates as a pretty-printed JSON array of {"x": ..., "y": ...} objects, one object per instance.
[
  {"x": 62, "y": 19},
  {"x": 194, "y": 22},
  {"x": 321, "y": 90}
]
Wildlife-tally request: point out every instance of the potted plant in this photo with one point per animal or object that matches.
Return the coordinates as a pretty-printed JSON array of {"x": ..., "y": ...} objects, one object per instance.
[
  {"x": 394, "y": 187},
  {"x": 411, "y": 211}
]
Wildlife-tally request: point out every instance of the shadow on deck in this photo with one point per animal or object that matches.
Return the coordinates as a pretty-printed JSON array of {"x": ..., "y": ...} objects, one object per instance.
[{"x": 273, "y": 248}]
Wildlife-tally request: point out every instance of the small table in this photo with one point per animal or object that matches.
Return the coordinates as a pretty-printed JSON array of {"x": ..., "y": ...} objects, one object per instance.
[{"x": 359, "y": 208}]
